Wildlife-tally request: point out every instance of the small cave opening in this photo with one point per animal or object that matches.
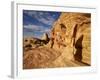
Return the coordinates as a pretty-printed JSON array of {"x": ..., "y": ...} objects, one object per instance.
[{"x": 63, "y": 28}]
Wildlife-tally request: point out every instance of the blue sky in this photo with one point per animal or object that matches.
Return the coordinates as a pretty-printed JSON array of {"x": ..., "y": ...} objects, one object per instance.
[{"x": 35, "y": 23}]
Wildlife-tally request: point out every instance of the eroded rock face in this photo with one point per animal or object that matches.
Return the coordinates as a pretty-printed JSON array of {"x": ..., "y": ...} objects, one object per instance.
[
  {"x": 39, "y": 58},
  {"x": 31, "y": 42},
  {"x": 71, "y": 34},
  {"x": 45, "y": 37}
]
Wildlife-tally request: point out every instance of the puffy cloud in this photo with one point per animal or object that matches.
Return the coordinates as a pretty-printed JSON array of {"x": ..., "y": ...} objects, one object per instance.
[
  {"x": 38, "y": 22},
  {"x": 44, "y": 17},
  {"x": 33, "y": 28}
]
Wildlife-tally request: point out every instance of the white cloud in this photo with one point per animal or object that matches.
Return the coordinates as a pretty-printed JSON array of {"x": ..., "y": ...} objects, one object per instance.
[
  {"x": 33, "y": 27},
  {"x": 48, "y": 20},
  {"x": 37, "y": 28},
  {"x": 41, "y": 16}
]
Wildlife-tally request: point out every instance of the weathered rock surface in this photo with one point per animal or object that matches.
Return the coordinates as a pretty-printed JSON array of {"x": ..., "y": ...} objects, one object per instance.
[
  {"x": 71, "y": 35},
  {"x": 45, "y": 37},
  {"x": 31, "y": 42},
  {"x": 39, "y": 58},
  {"x": 46, "y": 58}
]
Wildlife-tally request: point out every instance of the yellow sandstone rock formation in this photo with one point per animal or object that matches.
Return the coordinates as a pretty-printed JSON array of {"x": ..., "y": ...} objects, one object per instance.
[{"x": 71, "y": 35}]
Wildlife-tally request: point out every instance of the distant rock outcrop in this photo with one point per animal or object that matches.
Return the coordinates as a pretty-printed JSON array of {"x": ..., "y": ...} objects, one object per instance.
[
  {"x": 45, "y": 36},
  {"x": 71, "y": 34},
  {"x": 31, "y": 42}
]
